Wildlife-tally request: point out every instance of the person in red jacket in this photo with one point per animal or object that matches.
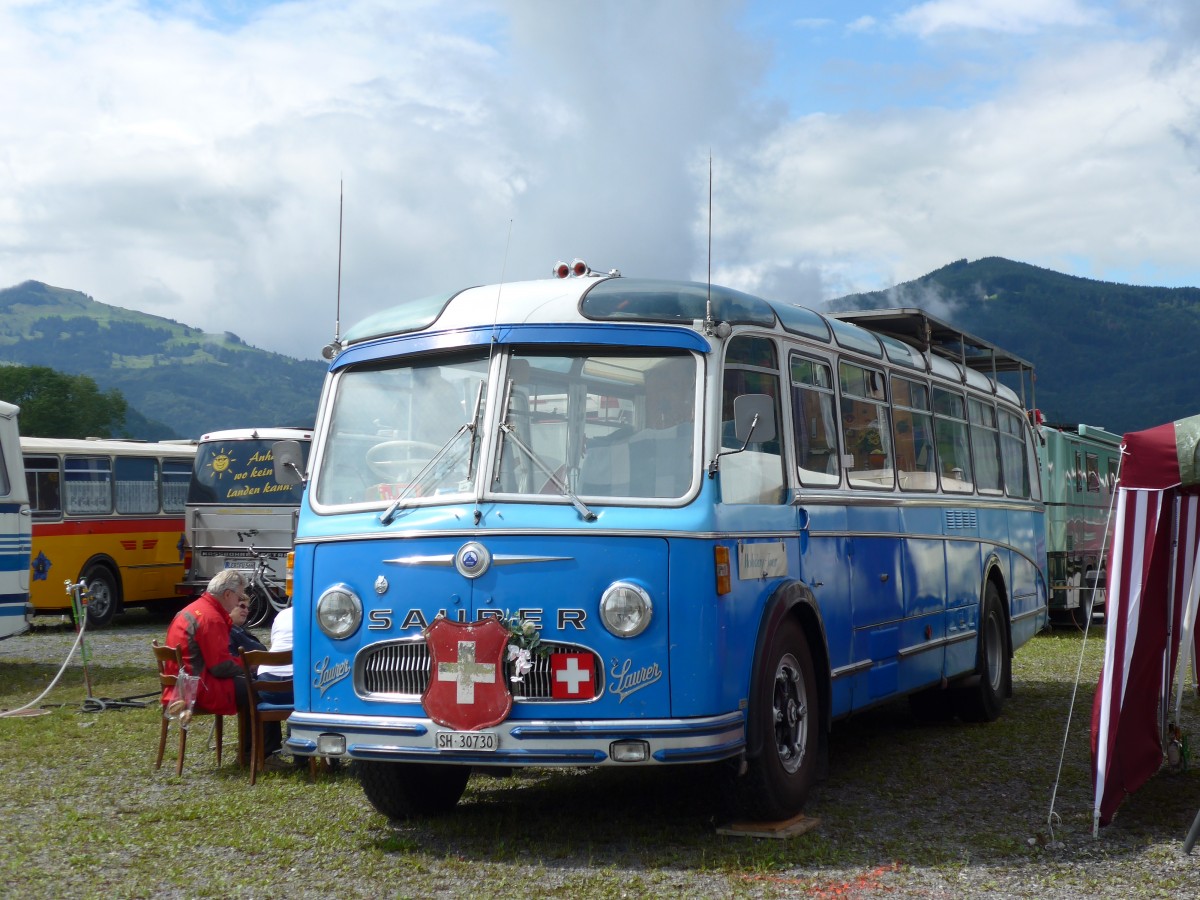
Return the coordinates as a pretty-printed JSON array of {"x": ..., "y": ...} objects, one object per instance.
[{"x": 201, "y": 631}]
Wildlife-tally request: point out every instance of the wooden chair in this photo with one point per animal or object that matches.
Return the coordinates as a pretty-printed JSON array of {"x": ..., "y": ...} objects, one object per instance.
[
  {"x": 164, "y": 655},
  {"x": 262, "y": 712}
]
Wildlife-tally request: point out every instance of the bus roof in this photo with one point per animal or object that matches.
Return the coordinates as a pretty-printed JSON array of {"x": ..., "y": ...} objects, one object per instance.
[
  {"x": 909, "y": 337},
  {"x": 105, "y": 445},
  {"x": 273, "y": 433}
]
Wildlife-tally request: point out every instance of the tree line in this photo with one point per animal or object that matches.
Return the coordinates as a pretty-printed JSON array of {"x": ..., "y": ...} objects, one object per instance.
[{"x": 57, "y": 405}]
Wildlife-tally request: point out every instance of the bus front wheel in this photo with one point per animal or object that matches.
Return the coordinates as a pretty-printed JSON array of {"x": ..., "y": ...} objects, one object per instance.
[
  {"x": 983, "y": 700},
  {"x": 102, "y": 595},
  {"x": 786, "y": 718},
  {"x": 406, "y": 790}
]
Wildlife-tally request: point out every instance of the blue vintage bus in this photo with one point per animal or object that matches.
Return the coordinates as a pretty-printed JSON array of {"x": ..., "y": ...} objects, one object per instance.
[{"x": 608, "y": 521}]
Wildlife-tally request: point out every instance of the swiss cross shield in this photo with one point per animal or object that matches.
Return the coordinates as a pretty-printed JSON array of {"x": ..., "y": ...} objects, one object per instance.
[
  {"x": 468, "y": 688},
  {"x": 572, "y": 676}
]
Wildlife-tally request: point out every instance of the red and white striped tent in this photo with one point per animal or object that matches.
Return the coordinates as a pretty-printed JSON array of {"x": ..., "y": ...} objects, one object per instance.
[{"x": 1150, "y": 606}]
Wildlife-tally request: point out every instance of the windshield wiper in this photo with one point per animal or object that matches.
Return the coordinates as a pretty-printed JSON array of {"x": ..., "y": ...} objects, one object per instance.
[
  {"x": 581, "y": 508},
  {"x": 432, "y": 467}
]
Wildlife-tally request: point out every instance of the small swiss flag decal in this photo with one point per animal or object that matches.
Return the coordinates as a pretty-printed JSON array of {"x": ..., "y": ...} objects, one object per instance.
[{"x": 572, "y": 676}]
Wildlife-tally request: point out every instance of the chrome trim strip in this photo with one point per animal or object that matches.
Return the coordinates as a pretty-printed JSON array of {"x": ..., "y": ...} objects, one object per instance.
[{"x": 852, "y": 669}]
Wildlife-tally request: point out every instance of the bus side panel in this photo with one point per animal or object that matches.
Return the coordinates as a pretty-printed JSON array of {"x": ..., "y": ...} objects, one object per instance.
[
  {"x": 876, "y": 592},
  {"x": 924, "y": 597},
  {"x": 964, "y": 567},
  {"x": 147, "y": 552},
  {"x": 824, "y": 570},
  {"x": 14, "y": 533}
]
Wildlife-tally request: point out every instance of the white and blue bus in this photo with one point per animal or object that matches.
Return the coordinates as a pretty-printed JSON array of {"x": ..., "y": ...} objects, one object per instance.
[
  {"x": 15, "y": 529},
  {"x": 608, "y": 521}
]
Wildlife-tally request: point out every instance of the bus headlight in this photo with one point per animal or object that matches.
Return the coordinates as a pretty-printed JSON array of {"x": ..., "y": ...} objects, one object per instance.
[
  {"x": 625, "y": 609},
  {"x": 339, "y": 612}
]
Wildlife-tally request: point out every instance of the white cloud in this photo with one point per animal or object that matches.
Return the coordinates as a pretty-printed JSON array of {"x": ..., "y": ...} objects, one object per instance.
[
  {"x": 1083, "y": 160},
  {"x": 1009, "y": 16},
  {"x": 169, "y": 160}
]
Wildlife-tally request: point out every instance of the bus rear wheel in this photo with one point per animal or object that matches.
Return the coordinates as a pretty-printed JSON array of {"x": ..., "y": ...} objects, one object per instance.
[
  {"x": 786, "y": 718},
  {"x": 407, "y": 790},
  {"x": 102, "y": 599},
  {"x": 983, "y": 700}
]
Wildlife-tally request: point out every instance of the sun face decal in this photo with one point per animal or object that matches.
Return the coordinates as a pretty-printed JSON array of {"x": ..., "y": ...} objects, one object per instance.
[{"x": 220, "y": 463}]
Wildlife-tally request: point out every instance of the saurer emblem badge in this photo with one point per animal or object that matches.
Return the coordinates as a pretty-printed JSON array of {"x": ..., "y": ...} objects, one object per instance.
[{"x": 468, "y": 687}]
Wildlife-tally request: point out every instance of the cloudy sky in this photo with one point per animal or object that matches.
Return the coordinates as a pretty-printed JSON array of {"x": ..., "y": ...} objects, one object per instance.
[{"x": 183, "y": 157}]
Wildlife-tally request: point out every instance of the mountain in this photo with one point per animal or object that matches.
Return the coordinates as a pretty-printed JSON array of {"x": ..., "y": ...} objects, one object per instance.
[
  {"x": 1113, "y": 355},
  {"x": 178, "y": 381}
]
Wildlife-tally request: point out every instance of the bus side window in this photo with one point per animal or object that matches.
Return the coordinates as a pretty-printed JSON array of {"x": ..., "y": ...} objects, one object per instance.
[
  {"x": 916, "y": 459},
  {"x": 953, "y": 443},
  {"x": 814, "y": 422},
  {"x": 42, "y": 479},
  {"x": 137, "y": 485},
  {"x": 755, "y": 475}
]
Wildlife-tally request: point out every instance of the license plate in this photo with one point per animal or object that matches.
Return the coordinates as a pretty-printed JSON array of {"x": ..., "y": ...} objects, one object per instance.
[
  {"x": 467, "y": 740},
  {"x": 244, "y": 563}
]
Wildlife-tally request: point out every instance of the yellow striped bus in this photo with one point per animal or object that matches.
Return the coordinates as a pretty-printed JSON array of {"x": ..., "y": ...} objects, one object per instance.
[{"x": 109, "y": 513}]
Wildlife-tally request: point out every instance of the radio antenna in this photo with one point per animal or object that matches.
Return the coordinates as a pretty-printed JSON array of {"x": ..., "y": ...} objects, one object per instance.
[
  {"x": 332, "y": 350},
  {"x": 708, "y": 316},
  {"x": 337, "y": 321}
]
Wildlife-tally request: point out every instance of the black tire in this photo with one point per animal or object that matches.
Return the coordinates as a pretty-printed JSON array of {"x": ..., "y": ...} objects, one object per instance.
[
  {"x": 785, "y": 716},
  {"x": 103, "y": 599},
  {"x": 407, "y": 790},
  {"x": 983, "y": 700}
]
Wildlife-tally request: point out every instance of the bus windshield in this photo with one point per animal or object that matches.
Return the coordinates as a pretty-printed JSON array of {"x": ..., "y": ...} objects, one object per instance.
[
  {"x": 608, "y": 424},
  {"x": 240, "y": 471}
]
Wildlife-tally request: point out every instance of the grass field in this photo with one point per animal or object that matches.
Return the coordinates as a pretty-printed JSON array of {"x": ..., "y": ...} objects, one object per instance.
[{"x": 907, "y": 810}]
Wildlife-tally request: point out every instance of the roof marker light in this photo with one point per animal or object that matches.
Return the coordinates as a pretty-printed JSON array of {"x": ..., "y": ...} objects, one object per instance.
[
  {"x": 561, "y": 270},
  {"x": 579, "y": 268}
]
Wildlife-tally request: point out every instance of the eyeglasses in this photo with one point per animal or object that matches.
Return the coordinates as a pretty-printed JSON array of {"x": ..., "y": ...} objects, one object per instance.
[{"x": 243, "y": 605}]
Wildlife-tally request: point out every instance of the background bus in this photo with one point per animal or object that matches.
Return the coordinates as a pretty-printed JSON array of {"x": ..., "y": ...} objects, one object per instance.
[
  {"x": 235, "y": 505},
  {"x": 1079, "y": 476},
  {"x": 109, "y": 513},
  {"x": 15, "y": 611}
]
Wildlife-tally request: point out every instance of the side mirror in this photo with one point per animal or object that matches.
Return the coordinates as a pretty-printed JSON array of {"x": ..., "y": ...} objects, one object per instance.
[
  {"x": 289, "y": 458},
  {"x": 745, "y": 408}
]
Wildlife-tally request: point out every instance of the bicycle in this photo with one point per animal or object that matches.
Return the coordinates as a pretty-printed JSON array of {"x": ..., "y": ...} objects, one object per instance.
[{"x": 266, "y": 596}]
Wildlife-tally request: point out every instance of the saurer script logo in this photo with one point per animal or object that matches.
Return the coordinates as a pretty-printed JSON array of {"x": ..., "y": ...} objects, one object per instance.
[
  {"x": 328, "y": 676},
  {"x": 628, "y": 680}
]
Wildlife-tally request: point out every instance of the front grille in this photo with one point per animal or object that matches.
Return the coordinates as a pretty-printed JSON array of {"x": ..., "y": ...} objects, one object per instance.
[{"x": 399, "y": 671}]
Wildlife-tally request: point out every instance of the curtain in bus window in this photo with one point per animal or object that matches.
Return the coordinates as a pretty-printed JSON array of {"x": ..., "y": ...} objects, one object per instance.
[
  {"x": 916, "y": 459},
  {"x": 42, "y": 480},
  {"x": 88, "y": 488},
  {"x": 866, "y": 427},
  {"x": 176, "y": 473},
  {"x": 984, "y": 446},
  {"x": 1012, "y": 455},
  {"x": 136, "y": 485},
  {"x": 953, "y": 443},
  {"x": 813, "y": 420}
]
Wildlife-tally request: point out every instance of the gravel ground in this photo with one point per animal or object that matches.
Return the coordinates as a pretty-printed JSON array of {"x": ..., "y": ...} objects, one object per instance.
[{"x": 906, "y": 811}]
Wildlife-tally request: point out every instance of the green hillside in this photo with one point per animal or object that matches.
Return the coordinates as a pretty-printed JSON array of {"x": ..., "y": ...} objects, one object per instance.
[
  {"x": 1114, "y": 355},
  {"x": 172, "y": 375}
]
